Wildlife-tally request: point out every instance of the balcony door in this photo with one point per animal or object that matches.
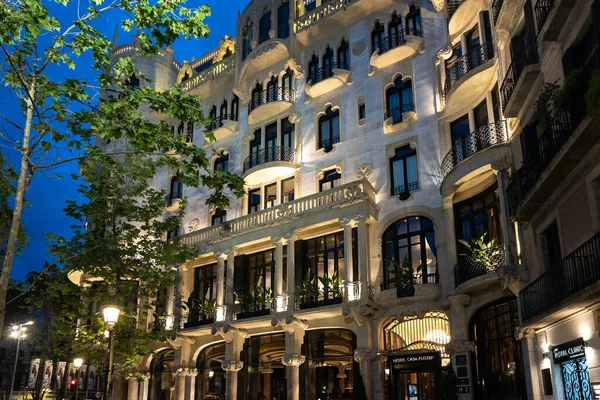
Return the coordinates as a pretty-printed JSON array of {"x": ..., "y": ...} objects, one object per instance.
[
  {"x": 460, "y": 130},
  {"x": 271, "y": 143},
  {"x": 255, "y": 148}
]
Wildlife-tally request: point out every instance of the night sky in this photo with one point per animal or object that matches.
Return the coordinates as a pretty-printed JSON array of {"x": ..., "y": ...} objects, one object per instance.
[{"x": 47, "y": 193}]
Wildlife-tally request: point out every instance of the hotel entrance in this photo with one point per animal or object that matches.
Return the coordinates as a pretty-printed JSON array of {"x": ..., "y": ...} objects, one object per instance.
[{"x": 414, "y": 376}]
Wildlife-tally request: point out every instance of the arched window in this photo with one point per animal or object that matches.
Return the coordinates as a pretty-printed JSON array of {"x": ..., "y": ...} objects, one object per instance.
[
  {"x": 272, "y": 87},
  {"x": 257, "y": 96},
  {"x": 223, "y": 112},
  {"x": 161, "y": 378},
  {"x": 413, "y": 21},
  {"x": 247, "y": 39},
  {"x": 264, "y": 26},
  {"x": 327, "y": 64},
  {"x": 395, "y": 26},
  {"x": 235, "y": 105},
  {"x": 399, "y": 99},
  {"x": 185, "y": 76},
  {"x": 287, "y": 81},
  {"x": 222, "y": 163},
  {"x": 377, "y": 36},
  {"x": 176, "y": 189},
  {"x": 409, "y": 243},
  {"x": 313, "y": 69},
  {"x": 329, "y": 129},
  {"x": 430, "y": 332},
  {"x": 262, "y": 356},
  {"x": 212, "y": 379},
  {"x": 213, "y": 113},
  {"x": 283, "y": 20},
  {"x": 343, "y": 55},
  {"x": 404, "y": 170}
]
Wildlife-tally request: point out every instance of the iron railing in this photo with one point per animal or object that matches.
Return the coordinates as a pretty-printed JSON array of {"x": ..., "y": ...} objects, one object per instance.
[
  {"x": 482, "y": 138},
  {"x": 527, "y": 56},
  {"x": 496, "y": 7},
  {"x": 474, "y": 58},
  {"x": 397, "y": 190},
  {"x": 249, "y": 308},
  {"x": 571, "y": 275},
  {"x": 269, "y": 95},
  {"x": 328, "y": 143},
  {"x": 319, "y": 298},
  {"x": 396, "y": 112},
  {"x": 199, "y": 317},
  {"x": 217, "y": 122},
  {"x": 478, "y": 264},
  {"x": 269, "y": 154},
  {"x": 418, "y": 279},
  {"x": 326, "y": 72},
  {"x": 542, "y": 9},
  {"x": 453, "y": 6},
  {"x": 397, "y": 39}
]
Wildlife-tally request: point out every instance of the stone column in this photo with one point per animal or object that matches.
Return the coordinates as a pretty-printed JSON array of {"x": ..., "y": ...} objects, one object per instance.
[
  {"x": 170, "y": 308},
  {"x": 293, "y": 358},
  {"x": 220, "y": 292},
  {"x": 363, "y": 245},
  {"x": 348, "y": 224},
  {"x": 229, "y": 300},
  {"x": 190, "y": 384},
  {"x": 365, "y": 357},
  {"x": 180, "y": 294},
  {"x": 179, "y": 384},
  {"x": 451, "y": 255},
  {"x": 532, "y": 364},
  {"x": 508, "y": 231},
  {"x": 291, "y": 271},
  {"x": 132, "y": 388},
  {"x": 278, "y": 284},
  {"x": 234, "y": 343},
  {"x": 144, "y": 386}
]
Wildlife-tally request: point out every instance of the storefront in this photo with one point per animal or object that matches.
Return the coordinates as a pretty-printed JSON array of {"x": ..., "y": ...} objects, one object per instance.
[
  {"x": 414, "y": 376},
  {"x": 571, "y": 359}
]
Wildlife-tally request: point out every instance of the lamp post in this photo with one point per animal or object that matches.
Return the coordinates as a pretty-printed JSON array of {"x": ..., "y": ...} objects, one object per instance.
[
  {"x": 78, "y": 362},
  {"x": 111, "y": 316},
  {"x": 17, "y": 332}
]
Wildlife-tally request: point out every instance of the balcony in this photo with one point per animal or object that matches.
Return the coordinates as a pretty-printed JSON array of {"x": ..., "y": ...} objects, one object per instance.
[
  {"x": 252, "y": 307},
  {"x": 569, "y": 281},
  {"x": 399, "y": 118},
  {"x": 327, "y": 79},
  {"x": 196, "y": 84},
  {"x": 468, "y": 77},
  {"x": 269, "y": 103},
  {"x": 359, "y": 194},
  {"x": 477, "y": 269},
  {"x": 267, "y": 163},
  {"x": 519, "y": 79},
  {"x": 319, "y": 298},
  {"x": 320, "y": 13},
  {"x": 461, "y": 14},
  {"x": 198, "y": 318},
  {"x": 172, "y": 202},
  {"x": 424, "y": 286},
  {"x": 254, "y": 60},
  {"x": 224, "y": 125},
  {"x": 395, "y": 48},
  {"x": 551, "y": 16}
]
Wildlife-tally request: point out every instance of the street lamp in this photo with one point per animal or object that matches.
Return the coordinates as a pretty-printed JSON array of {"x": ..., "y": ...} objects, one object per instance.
[
  {"x": 78, "y": 362},
  {"x": 111, "y": 317},
  {"x": 17, "y": 332}
]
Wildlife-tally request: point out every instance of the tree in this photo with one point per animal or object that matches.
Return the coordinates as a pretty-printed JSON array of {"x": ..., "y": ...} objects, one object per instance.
[{"x": 56, "y": 113}]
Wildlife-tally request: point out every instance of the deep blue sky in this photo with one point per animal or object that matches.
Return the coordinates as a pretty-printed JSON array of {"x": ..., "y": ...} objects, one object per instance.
[{"x": 47, "y": 194}]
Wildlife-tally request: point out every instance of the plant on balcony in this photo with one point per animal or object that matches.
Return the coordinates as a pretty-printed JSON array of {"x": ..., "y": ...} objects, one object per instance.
[
  {"x": 404, "y": 276},
  {"x": 307, "y": 290},
  {"x": 482, "y": 252},
  {"x": 332, "y": 285},
  {"x": 261, "y": 300}
]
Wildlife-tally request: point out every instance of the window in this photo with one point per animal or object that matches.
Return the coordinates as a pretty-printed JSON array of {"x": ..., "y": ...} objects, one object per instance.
[
  {"x": 377, "y": 36},
  {"x": 411, "y": 238},
  {"x": 223, "y": 111},
  {"x": 212, "y": 114},
  {"x": 480, "y": 115},
  {"x": 172, "y": 234},
  {"x": 287, "y": 81},
  {"x": 343, "y": 55},
  {"x": 287, "y": 134},
  {"x": 395, "y": 31},
  {"x": 247, "y": 40},
  {"x": 219, "y": 217},
  {"x": 478, "y": 216},
  {"x": 189, "y": 133},
  {"x": 180, "y": 129},
  {"x": 176, "y": 189},
  {"x": 272, "y": 87},
  {"x": 310, "y": 5},
  {"x": 222, "y": 163},
  {"x": 133, "y": 82},
  {"x": 330, "y": 179},
  {"x": 550, "y": 244},
  {"x": 257, "y": 95},
  {"x": 413, "y": 21},
  {"x": 287, "y": 190},
  {"x": 271, "y": 143},
  {"x": 399, "y": 99},
  {"x": 264, "y": 27},
  {"x": 327, "y": 64},
  {"x": 253, "y": 201},
  {"x": 404, "y": 171},
  {"x": 254, "y": 274},
  {"x": 205, "y": 282},
  {"x": 270, "y": 195},
  {"x": 283, "y": 23},
  {"x": 329, "y": 129},
  {"x": 313, "y": 70},
  {"x": 461, "y": 138},
  {"x": 362, "y": 111},
  {"x": 235, "y": 105},
  {"x": 255, "y": 148}
]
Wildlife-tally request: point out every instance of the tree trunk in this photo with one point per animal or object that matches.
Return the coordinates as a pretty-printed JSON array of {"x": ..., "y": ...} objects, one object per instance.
[
  {"x": 54, "y": 377},
  {"x": 15, "y": 226},
  {"x": 37, "y": 389}
]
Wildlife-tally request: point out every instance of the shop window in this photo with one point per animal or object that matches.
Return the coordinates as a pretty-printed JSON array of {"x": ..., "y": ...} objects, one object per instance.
[
  {"x": 399, "y": 99},
  {"x": 263, "y": 375},
  {"x": 283, "y": 17},
  {"x": 161, "y": 378},
  {"x": 404, "y": 172},
  {"x": 576, "y": 379},
  {"x": 287, "y": 190},
  {"x": 330, "y": 179},
  {"x": 409, "y": 241},
  {"x": 329, "y": 129},
  {"x": 219, "y": 217}
]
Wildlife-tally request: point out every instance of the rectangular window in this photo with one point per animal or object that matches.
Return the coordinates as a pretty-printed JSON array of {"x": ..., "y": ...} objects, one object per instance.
[
  {"x": 480, "y": 115},
  {"x": 270, "y": 195},
  {"x": 222, "y": 163},
  {"x": 253, "y": 201},
  {"x": 205, "y": 282},
  {"x": 287, "y": 134},
  {"x": 173, "y": 234},
  {"x": 461, "y": 138},
  {"x": 271, "y": 153},
  {"x": 287, "y": 190},
  {"x": 550, "y": 243},
  {"x": 331, "y": 179},
  {"x": 362, "y": 111},
  {"x": 403, "y": 166},
  {"x": 189, "y": 136},
  {"x": 219, "y": 217}
]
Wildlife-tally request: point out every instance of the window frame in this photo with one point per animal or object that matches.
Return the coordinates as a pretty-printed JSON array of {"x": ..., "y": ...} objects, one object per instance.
[
  {"x": 327, "y": 118},
  {"x": 327, "y": 178},
  {"x": 399, "y": 157}
]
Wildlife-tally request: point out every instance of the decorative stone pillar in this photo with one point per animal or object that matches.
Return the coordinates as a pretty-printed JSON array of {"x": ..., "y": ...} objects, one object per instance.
[
  {"x": 132, "y": 388},
  {"x": 180, "y": 294},
  {"x": 278, "y": 284},
  {"x": 291, "y": 270},
  {"x": 234, "y": 343},
  {"x": 190, "y": 384},
  {"x": 531, "y": 363},
  {"x": 365, "y": 357},
  {"x": 220, "y": 292},
  {"x": 362, "y": 243},
  {"x": 179, "y": 374},
  {"x": 229, "y": 300},
  {"x": 508, "y": 231},
  {"x": 144, "y": 385},
  {"x": 452, "y": 257},
  {"x": 348, "y": 224},
  {"x": 293, "y": 358}
]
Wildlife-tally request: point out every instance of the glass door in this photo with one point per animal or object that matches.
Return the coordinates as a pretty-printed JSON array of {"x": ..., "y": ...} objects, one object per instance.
[{"x": 415, "y": 386}]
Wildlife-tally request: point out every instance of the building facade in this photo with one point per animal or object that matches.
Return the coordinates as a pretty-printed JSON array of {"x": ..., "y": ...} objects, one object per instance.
[{"x": 407, "y": 209}]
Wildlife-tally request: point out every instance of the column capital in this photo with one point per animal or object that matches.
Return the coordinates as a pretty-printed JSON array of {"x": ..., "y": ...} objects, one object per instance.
[
  {"x": 525, "y": 333},
  {"x": 225, "y": 253},
  {"x": 293, "y": 360},
  {"x": 229, "y": 333},
  {"x": 290, "y": 324},
  {"x": 185, "y": 372},
  {"x": 284, "y": 237},
  {"x": 232, "y": 366},
  {"x": 365, "y": 354},
  {"x": 502, "y": 164}
]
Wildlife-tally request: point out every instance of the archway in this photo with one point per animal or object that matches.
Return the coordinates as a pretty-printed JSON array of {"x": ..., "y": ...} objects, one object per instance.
[
  {"x": 211, "y": 380},
  {"x": 161, "y": 383}
]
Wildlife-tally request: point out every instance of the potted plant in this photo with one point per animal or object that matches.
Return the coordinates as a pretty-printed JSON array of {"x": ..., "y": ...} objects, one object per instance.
[
  {"x": 482, "y": 252},
  {"x": 307, "y": 290},
  {"x": 404, "y": 276}
]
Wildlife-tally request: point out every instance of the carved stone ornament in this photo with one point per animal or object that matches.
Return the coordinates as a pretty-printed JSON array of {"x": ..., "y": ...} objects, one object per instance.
[
  {"x": 364, "y": 171},
  {"x": 443, "y": 54},
  {"x": 241, "y": 94},
  {"x": 413, "y": 309},
  {"x": 194, "y": 225},
  {"x": 525, "y": 333},
  {"x": 232, "y": 366},
  {"x": 229, "y": 333},
  {"x": 248, "y": 137},
  {"x": 445, "y": 303},
  {"x": 464, "y": 300},
  {"x": 460, "y": 346},
  {"x": 290, "y": 324},
  {"x": 296, "y": 67},
  {"x": 293, "y": 360},
  {"x": 365, "y": 354},
  {"x": 438, "y": 5},
  {"x": 359, "y": 47},
  {"x": 295, "y": 117}
]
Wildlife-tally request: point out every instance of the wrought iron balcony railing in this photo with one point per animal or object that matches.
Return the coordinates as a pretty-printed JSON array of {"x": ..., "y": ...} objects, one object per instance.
[
  {"x": 397, "y": 39},
  {"x": 217, "y": 122},
  {"x": 478, "y": 264},
  {"x": 418, "y": 279},
  {"x": 571, "y": 275},
  {"x": 474, "y": 58},
  {"x": 326, "y": 72},
  {"x": 482, "y": 138},
  {"x": 396, "y": 112},
  {"x": 326, "y": 9},
  {"x": 542, "y": 9},
  {"x": 249, "y": 308},
  {"x": 328, "y": 143},
  {"x": 198, "y": 317},
  {"x": 269, "y": 95},
  {"x": 526, "y": 56},
  {"x": 269, "y": 154},
  {"x": 319, "y": 298},
  {"x": 398, "y": 190}
]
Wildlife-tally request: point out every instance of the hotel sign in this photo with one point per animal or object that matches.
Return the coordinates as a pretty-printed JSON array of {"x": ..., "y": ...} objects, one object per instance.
[
  {"x": 416, "y": 361},
  {"x": 568, "y": 351}
]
